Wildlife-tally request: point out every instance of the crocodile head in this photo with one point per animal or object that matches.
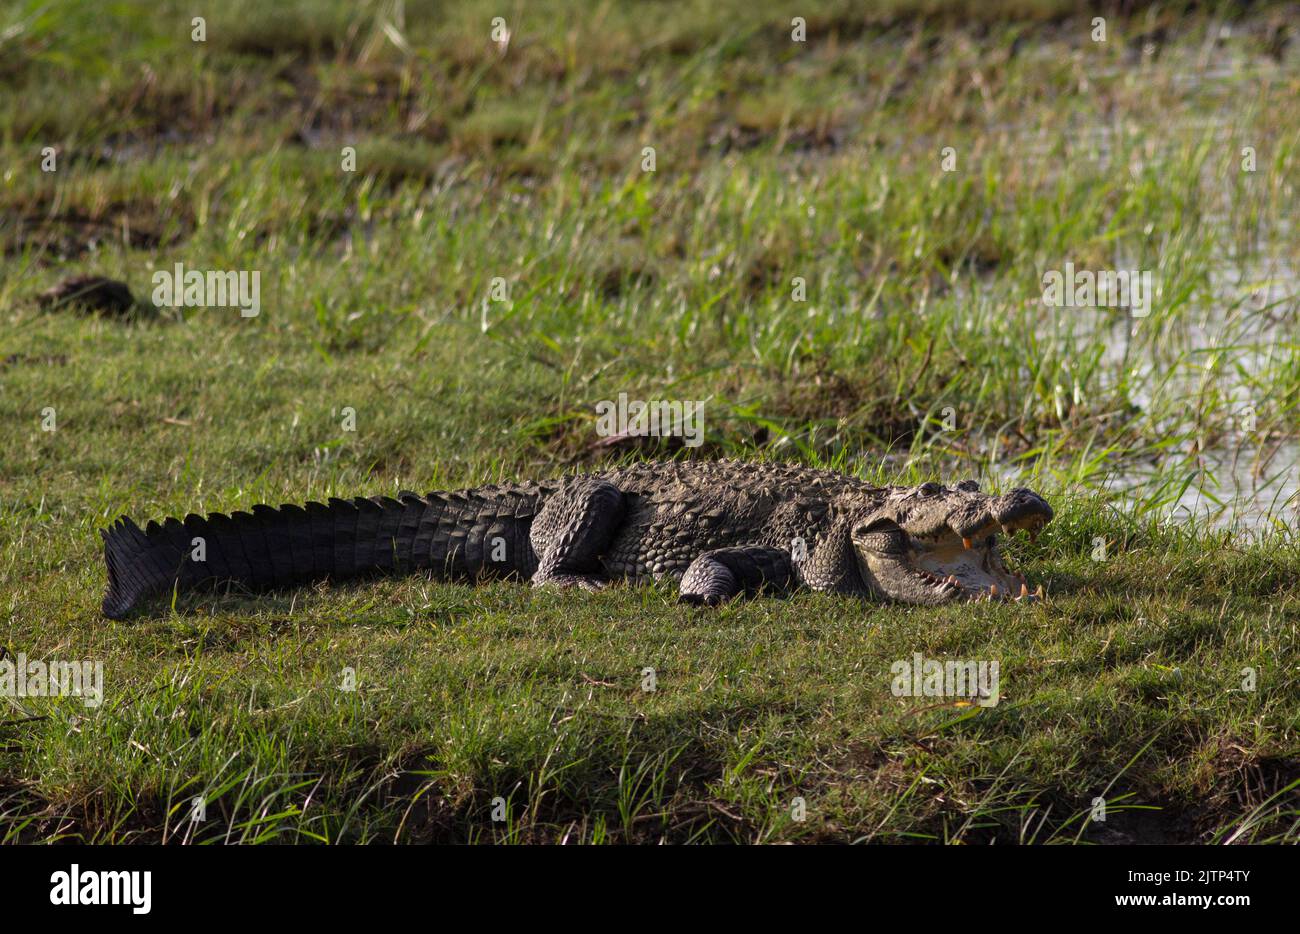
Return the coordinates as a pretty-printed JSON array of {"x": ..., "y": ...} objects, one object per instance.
[{"x": 933, "y": 544}]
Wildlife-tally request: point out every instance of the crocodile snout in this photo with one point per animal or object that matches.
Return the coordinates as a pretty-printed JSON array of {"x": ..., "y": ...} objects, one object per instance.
[{"x": 944, "y": 543}]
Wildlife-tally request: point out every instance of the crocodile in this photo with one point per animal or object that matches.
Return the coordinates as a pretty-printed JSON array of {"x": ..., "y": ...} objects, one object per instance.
[{"x": 722, "y": 528}]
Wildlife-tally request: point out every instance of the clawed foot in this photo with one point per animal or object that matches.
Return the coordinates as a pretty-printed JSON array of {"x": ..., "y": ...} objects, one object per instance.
[
  {"x": 571, "y": 581},
  {"x": 701, "y": 599}
]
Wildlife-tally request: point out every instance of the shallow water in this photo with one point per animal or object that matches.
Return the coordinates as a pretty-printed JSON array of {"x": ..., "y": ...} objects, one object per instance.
[{"x": 1250, "y": 317}]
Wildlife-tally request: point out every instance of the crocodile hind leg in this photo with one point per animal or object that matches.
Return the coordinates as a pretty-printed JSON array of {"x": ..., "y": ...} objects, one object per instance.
[
  {"x": 719, "y": 575},
  {"x": 573, "y": 530}
]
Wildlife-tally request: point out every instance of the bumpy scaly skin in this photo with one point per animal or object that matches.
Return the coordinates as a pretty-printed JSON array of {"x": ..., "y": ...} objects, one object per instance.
[{"x": 723, "y": 528}]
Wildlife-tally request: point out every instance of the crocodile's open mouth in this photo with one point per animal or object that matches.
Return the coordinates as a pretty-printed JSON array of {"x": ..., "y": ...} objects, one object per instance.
[{"x": 929, "y": 556}]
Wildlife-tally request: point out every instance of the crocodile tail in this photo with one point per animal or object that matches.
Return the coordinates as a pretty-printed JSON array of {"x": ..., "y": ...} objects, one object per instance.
[{"x": 262, "y": 549}]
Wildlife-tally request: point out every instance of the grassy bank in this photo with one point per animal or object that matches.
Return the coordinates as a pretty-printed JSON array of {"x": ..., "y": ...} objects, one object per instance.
[
  {"x": 920, "y": 349},
  {"x": 1127, "y": 684}
]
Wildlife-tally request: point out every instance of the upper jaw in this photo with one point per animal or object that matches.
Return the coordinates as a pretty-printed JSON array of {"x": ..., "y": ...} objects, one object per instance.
[{"x": 972, "y": 515}]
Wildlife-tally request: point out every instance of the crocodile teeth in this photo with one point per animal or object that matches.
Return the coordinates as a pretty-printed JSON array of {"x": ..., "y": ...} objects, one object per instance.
[{"x": 1024, "y": 589}]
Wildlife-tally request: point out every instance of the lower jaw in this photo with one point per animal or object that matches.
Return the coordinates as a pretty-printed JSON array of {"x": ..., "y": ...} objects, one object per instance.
[{"x": 981, "y": 587}]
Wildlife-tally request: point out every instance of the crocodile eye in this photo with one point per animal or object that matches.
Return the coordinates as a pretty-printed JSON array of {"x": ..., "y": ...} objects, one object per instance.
[
  {"x": 968, "y": 486},
  {"x": 929, "y": 489}
]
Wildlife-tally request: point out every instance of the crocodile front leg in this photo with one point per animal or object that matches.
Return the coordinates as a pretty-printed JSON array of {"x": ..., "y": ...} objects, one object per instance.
[
  {"x": 573, "y": 530},
  {"x": 719, "y": 575}
]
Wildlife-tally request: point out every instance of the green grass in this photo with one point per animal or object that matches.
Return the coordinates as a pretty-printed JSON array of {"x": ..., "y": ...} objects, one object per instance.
[{"x": 774, "y": 160}]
